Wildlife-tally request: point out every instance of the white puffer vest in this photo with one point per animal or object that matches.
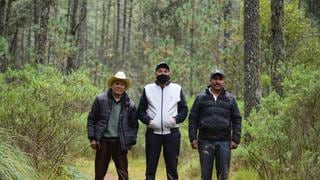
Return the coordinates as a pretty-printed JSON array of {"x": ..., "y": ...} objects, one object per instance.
[{"x": 163, "y": 106}]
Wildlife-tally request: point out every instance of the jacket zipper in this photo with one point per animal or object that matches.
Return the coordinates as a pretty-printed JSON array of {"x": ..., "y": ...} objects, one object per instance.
[
  {"x": 161, "y": 110},
  {"x": 121, "y": 135}
]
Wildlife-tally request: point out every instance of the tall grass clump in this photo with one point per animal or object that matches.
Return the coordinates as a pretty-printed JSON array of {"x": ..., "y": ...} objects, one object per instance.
[{"x": 14, "y": 163}]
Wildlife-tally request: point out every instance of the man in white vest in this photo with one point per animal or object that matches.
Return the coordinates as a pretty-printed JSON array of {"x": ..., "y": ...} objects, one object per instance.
[{"x": 162, "y": 107}]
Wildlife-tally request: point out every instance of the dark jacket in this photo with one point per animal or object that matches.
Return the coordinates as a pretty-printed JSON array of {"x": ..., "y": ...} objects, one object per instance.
[
  {"x": 216, "y": 120},
  {"x": 98, "y": 119}
]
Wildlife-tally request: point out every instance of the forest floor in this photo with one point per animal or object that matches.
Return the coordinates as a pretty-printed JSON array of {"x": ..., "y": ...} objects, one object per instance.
[{"x": 137, "y": 169}]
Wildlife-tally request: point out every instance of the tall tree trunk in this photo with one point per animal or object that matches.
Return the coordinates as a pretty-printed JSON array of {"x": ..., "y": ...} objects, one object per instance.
[
  {"x": 117, "y": 40},
  {"x": 227, "y": 18},
  {"x": 96, "y": 26},
  {"x": 49, "y": 50},
  {"x": 103, "y": 33},
  {"x": 2, "y": 16},
  {"x": 28, "y": 60},
  {"x": 124, "y": 29},
  {"x": 36, "y": 15},
  {"x": 73, "y": 30},
  {"x": 192, "y": 49},
  {"x": 252, "y": 92},
  {"x": 68, "y": 20},
  {"x": 10, "y": 33},
  {"x": 114, "y": 32},
  {"x": 81, "y": 38},
  {"x": 107, "y": 31},
  {"x": 129, "y": 26},
  {"x": 218, "y": 43},
  {"x": 3, "y": 58},
  {"x": 42, "y": 36},
  {"x": 278, "y": 42},
  {"x": 13, "y": 47},
  {"x": 8, "y": 30},
  {"x": 314, "y": 8},
  {"x": 22, "y": 51}
]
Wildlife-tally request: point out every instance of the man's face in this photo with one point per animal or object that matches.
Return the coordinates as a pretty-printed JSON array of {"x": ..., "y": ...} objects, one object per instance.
[
  {"x": 118, "y": 87},
  {"x": 162, "y": 71},
  {"x": 217, "y": 82}
]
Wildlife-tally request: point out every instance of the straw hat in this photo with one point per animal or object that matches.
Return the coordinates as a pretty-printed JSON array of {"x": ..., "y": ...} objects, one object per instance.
[{"x": 120, "y": 76}]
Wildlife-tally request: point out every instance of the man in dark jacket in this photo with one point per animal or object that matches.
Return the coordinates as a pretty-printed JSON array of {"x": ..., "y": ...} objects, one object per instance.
[
  {"x": 215, "y": 127},
  {"x": 112, "y": 127},
  {"x": 162, "y": 107}
]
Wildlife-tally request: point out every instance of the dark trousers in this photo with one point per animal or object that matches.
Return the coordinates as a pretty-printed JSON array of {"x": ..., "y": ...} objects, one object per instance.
[
  {"x": 209, "y": 151},
  {"x": 106, "y": 150},
  {"x": 171, "y": 148}
]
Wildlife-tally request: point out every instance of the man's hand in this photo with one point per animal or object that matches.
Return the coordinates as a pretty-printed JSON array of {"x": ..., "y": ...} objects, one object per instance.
[
  {"x": 150, "y": 125},
  {"x": 194, "y": 144},
  {"x": 233, "y": 145},
  {"x": 93, "y": 144}
]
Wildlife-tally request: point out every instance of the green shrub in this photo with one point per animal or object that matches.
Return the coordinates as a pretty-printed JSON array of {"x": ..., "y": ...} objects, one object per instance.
[
  {"x": 46, "y": 107},
  {"x": 284, "y": 133},
  {"x": 246, "y": 175}
]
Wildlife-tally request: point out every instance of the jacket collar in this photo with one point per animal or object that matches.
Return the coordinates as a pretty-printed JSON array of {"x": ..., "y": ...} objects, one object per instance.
[
  {"x": 123, "y": 98},
  {"x": 223, "y": 92},
  {"x": 166, "y": 84}
]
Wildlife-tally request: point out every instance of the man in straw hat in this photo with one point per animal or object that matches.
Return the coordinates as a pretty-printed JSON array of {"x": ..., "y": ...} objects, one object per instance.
[{"x": 113, "y": 126}]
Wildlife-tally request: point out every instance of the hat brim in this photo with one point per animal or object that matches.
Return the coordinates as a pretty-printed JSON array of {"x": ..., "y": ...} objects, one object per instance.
[
  {"x": 126, "y": 81},
  {"x": 217, "y": 73}
]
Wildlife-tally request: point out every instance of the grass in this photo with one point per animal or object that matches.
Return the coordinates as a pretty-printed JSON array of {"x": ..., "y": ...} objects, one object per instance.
[
  {"x": 136, "y": 169},
  {"x": 14, "y": 164},
  {"x": 188, "y": 170}
]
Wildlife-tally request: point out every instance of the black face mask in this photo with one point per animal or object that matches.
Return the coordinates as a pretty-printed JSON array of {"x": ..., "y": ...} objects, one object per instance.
[{"x": 163, "y": 78}]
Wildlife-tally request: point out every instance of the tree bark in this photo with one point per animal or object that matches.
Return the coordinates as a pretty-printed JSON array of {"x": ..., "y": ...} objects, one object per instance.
[
  {"x": 278, "y": 44},
  {"x": 2, "y": 16},
  {"x": 68, "y": 19},
  {"x": 314, "y": 8},
  {"x": 252, "y": 92},
  {"x": 107, "y": 31},
  {"x": 129, "y": 26},
  {"x": 42, "y": 35},
  {"x": 192, "y": 49},
  {"x": 117, "y": 40},
  {"x": 81, "y": 35},
  {"x": 227, "y": 18},
  {"x": 124, "y": 24},
  {"x": 35, "y": 22},
  {"x": 11, "y": 33},
  {"x": 96, "y": 26},
  {"x": 22, "y": 51},
  {"x": 29, "y": 45},
  {"x": 13, "y": 47},
  {"x": 73, "y": 29},
  {"x": 3, "y": 21},
  {"x": 8, "y": 30},
  {"x": 118, "y": 29},
  {"x": 103, "y": 33}
]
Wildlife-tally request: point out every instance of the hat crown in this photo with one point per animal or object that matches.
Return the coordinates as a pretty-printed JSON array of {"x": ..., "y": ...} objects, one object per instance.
[
  {"x": 120, "y": 75},
  {"x": 215, "y": 72},
  {"x": 162, "y": 65}
]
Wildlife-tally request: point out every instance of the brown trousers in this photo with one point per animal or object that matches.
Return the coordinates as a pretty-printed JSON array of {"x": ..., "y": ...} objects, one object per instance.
[{"x": 104, "y": 152}]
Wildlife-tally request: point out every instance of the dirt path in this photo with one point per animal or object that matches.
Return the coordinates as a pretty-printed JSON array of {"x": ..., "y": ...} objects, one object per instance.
[{"x": 110, "y": 176}]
